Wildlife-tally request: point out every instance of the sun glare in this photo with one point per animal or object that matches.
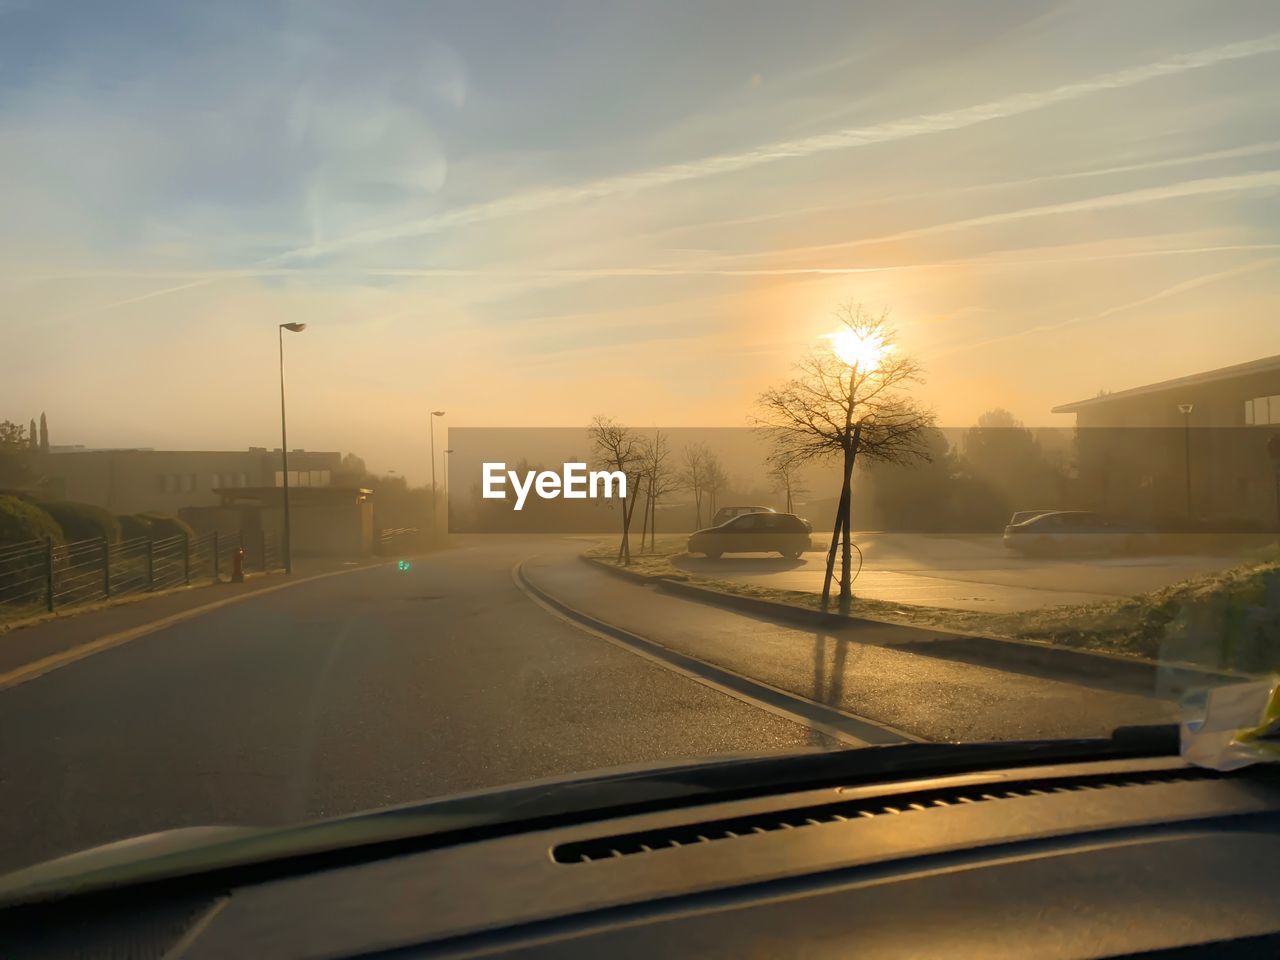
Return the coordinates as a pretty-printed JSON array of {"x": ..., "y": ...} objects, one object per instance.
[{"x": 864, "y": 352}]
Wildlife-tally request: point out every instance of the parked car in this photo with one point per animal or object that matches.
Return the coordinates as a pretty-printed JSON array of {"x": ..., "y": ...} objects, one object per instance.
[
  {"x": 764, "y": 532},
  {"x": 1022, "y": 516},
  {"x": 1075, "y": 532},
  {"x": 725, "y": 514}
]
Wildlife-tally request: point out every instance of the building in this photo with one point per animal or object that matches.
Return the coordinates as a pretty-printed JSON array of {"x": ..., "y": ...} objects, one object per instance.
[
  {"x": 1204, "y": 446},
  {"x": 324, "y": 520},
  {"x": 136, "y": 481}
]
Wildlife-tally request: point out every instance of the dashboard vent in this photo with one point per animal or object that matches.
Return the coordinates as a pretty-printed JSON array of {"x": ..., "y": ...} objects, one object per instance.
[{"x": 708, "y": 831}]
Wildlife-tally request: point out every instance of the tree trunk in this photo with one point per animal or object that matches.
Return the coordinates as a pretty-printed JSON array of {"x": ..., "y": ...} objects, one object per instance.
[
  {"x": 846, "y": 579},
  {"x": 644, "y": 519},
  {"x": 841, "y": 511},
  {"x": 846, "y": 592},
  {"x": 628, "y": 509}
]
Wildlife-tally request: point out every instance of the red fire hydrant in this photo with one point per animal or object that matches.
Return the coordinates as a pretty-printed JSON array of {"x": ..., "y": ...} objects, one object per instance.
[{"x": 237, "y": 566}]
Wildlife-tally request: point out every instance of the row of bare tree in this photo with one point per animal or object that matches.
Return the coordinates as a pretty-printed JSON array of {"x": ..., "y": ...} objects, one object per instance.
[
  {"x": 652, "y": 470},
  {"x": 850, "y": 399}
]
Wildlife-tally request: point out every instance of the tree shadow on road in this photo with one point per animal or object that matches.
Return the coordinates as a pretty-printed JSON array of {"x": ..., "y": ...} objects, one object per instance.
[{"x": 830, "y": 661}]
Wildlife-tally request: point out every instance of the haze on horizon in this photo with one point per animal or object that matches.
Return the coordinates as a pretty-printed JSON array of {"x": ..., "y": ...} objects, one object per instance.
[{"x": 527, "y": 214}]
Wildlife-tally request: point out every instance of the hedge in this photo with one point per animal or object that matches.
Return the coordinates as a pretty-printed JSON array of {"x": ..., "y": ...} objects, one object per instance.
[
  {"x": 153, "y": 526},
  {"x": 83, "y": 521},
  {"x": 21, "y": 521}
]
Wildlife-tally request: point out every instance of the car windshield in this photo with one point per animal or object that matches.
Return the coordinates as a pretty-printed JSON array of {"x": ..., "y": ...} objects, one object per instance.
[{"x": 978, "y": 300}]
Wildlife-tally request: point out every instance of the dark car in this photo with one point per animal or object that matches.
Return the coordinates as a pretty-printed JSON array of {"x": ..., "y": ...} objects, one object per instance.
[
  {"x": 783, "y": 533},
  {"x": 1075, "y": 532}
]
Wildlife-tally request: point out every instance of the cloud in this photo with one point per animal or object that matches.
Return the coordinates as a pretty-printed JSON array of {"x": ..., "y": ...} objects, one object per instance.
[
  {"x": 1171, "y": 291},
  {"x": 920, "y": 125},
  {"x": 1263, "y": 180},
  {"x": 543, "y": 199}
]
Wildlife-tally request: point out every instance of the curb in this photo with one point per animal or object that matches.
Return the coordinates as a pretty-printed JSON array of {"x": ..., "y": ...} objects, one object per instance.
[
  {"x": 1139, "y": 672},
  {"x": 830, "y": 721},
  {"x": 621, "y": 573}
]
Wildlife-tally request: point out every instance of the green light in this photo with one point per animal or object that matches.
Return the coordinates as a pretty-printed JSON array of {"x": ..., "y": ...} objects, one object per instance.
[{"x": 405, "y": 564}]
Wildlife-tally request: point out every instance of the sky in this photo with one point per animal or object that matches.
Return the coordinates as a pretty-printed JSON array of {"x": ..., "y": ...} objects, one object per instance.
[{"x": 526, "y": 214}]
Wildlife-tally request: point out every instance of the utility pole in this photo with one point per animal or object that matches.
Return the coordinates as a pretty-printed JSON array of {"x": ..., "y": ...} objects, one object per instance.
[
  {"x": 1185, "y": 409},
  {"x": 284, "y": 451},
  {"x": 435, "y": 526}
]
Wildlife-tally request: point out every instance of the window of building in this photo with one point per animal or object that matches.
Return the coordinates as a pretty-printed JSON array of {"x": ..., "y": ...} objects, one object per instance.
[
  {"x": 1262, "y": 411},
  {"x": 175, "y": 483},
  {"x": 189, "y": 483},
  {"x": 215, "y": 481},
  {"x": 162, "y": 483}
]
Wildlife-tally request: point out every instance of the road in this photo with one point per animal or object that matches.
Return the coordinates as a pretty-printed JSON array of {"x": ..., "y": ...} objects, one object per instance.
[
  {"x": 378, "y": 686},
  {"x": 968, "y": 572}
]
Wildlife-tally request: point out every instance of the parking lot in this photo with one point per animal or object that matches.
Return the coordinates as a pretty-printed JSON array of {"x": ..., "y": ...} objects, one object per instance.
[{"x": 970, "y": 572}]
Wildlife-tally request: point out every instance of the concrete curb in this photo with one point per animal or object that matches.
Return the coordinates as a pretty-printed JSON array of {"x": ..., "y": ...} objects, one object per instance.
[
  {"x": 835, "y": 723},
  {"x": 998, "y": 652},
  {"x": 621, "y": 572}
]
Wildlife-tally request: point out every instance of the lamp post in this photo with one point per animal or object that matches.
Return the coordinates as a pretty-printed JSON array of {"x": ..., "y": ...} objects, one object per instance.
[
  {"x": 435, "y": 526},
  {"x": 1185, "y": 409},
  {"x": 446, "y": 487},
  {"x": 286, "y": 550}
]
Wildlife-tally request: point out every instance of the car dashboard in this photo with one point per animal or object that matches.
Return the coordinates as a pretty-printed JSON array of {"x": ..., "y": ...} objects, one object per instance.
[{"x": 1146, "y": 857}]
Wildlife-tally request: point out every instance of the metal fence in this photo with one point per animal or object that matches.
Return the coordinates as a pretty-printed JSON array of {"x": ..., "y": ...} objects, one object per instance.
[
  {"x": 396, "y": 540},
  {"x": 38, "y": 576}
]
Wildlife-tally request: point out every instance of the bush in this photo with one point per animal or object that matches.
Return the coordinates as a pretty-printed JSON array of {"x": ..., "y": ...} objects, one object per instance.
[
  {"x": 153, "y": 526},
  {"x": 21, "y": 521},
  {"x": 83, "y": 521}
]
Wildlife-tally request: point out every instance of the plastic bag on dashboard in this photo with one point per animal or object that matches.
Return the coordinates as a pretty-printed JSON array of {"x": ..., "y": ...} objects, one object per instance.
[{"x": 1240, "y": 725}]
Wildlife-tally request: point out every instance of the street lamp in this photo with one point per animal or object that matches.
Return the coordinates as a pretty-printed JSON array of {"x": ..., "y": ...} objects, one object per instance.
[
  {"x": 435, "y": 527},
  {"x": 446, "y": 486},
  {"x": 284, "y": 447},
  {"x": 1185, "y": 409}
]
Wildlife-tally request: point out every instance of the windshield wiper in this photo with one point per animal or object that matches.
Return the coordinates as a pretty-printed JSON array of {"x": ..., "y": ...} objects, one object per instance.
[{"x": 240, "y": 855}]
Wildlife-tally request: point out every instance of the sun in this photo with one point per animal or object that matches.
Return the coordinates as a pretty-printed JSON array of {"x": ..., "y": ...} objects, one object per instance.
[{"x": 864, "y": 352}]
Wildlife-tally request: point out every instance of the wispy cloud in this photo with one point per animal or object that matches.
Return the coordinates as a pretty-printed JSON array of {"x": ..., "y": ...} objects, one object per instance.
[
  {"x": 1172, "y": 291},
  {"x": 1263, "y": 180},
  {"x": 149, "y": 295},
  {"x": 794, "y": 212},
  {"x": 920, "y": 125},
  {"x": 544, "y": 199},
  {"x": 1021, "y": 258}
]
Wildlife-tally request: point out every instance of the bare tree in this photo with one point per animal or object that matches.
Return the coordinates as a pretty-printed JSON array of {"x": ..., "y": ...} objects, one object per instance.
[
  {"x": 693, "y": 473},
  {"x": 617, "y": 448},
  {"x": 714, "y": 480},
  {"x": 848, "y": 399},
  {"x": 659, "y": 480},
  {"x": 784, "y": 472}
]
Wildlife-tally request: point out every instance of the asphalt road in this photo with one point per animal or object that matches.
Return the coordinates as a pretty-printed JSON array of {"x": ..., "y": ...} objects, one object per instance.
[
  {"x": 973, "y": 572},
  {"x": 378, "y": 686},
  {"x": 366, "y": 689}
]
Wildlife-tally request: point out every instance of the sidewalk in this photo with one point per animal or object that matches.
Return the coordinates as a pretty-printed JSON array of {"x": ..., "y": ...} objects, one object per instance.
[
  {"x": 78, "y": 626},
  {"x": 852, "y": 669}
]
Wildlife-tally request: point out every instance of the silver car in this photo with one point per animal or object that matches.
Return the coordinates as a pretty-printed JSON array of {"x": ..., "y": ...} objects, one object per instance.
[{"x": 1059, "y": 532}]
